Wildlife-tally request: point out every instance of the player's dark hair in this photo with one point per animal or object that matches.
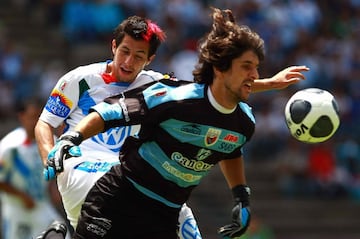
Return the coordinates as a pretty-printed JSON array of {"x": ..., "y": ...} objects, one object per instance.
[
  {"x": 225, "y": 42},
  {"x": 22, "y": 104},
  {"x": 140, "y": 28}
]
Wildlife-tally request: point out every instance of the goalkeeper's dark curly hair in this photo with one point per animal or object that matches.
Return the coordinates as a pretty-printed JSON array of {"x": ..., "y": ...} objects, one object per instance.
[{"x": 227, "y": 40}]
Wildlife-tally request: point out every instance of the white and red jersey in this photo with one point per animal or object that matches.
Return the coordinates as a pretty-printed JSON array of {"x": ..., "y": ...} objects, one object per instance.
[
  {"x": 82, "y": 88},
  {"x": 69, "y": 102}
]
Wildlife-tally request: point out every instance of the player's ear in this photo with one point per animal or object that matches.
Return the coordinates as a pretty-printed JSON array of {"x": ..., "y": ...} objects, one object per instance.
[
  {"x": 113, "y": 46},
  {"x": 151, "y": 58}
]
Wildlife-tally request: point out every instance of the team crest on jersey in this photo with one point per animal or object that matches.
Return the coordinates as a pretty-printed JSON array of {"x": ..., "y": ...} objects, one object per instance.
[
  {"x": 58, "y": 104},
  {"x": 212, "y": 136},
  {"x": 62, "y": 85}
]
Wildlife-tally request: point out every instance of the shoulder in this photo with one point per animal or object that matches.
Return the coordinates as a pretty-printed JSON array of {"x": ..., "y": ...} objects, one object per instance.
[
  {"x": 12, "y": 139},
  {"x": 82, "y": 72},
  {"x": 146, "y": 77},
  {"x": 247, "y": 110},
  {"x": 170, "y": 90}
]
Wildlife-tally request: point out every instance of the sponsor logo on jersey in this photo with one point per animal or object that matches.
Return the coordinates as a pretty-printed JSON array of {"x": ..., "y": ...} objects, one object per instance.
[
  {"x": 191, "y": 128},
  {"x": 58, "y": 104},
  {"x": 114, "y": 138},
  {"x": 212, "y": 136},
  {"x": 187, "y": 177},
  {"x": 231, "y": 138},
  {"x": 189, "y": 229},
  {"x": 94, "y": 167},
  {"x": 190, "y": 163}
]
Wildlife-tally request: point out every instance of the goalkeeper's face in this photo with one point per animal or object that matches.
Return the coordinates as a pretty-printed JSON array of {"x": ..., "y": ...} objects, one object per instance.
[{"x": 130, "y": 57}]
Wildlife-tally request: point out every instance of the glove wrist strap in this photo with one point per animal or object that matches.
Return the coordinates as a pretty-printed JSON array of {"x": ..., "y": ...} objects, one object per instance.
[
  {"x": 241, "y": 193},
  {"x": 74, "y": 137}
]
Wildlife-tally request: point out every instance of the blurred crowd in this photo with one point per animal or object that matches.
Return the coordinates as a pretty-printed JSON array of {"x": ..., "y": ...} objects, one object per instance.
[{"x": 320, "y": 34}]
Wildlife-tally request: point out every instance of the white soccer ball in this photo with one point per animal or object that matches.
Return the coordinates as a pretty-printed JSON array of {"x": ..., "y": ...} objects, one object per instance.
[{"x": 312, "y": 115}]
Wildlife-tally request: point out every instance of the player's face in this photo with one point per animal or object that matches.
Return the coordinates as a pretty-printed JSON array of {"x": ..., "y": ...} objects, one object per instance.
[
  {"x": 29, "y": 118},
  {"x": 130, "y": 57},
  {"x": 237, "y": 81}
]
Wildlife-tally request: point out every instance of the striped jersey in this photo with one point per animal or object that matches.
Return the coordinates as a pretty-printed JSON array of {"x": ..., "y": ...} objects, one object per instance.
[{"x": 184, "y": 133}]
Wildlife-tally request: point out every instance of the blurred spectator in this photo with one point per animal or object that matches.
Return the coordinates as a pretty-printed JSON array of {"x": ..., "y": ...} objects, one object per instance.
[
  {"x": 291, "y": 166},
  {"x": 77, "y": 23},
  {"x": 327, "y": 178},
  {"x": 26, "y": 83},
  {"x": 11, "y": 60},
  {"x": 49, "y": 77},
  {"x": 183, "y": 62}
]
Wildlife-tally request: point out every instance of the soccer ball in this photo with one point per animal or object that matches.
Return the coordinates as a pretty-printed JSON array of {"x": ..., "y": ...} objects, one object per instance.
[{"x": 312, "y": 115}]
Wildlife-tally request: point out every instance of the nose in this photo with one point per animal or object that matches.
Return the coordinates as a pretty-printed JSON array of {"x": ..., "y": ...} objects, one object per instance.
[
  {"x": 129, "y": 59},
  {"x": 254, "y": 74}
]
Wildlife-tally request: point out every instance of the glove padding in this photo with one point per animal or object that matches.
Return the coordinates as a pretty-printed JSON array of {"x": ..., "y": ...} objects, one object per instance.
[
  {"x": 65, "y": 147},
  {"x": 240, "y": 214}
]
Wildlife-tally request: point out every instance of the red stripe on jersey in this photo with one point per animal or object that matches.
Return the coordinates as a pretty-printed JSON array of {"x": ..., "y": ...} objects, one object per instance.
[{"x": 108, "y": 78}]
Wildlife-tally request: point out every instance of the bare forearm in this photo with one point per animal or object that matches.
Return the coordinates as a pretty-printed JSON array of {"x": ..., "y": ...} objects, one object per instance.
[
  {"x": 91, "y": 125},
  {"x": 44, "y": 138},
  {"x": 233, "y": 171}
]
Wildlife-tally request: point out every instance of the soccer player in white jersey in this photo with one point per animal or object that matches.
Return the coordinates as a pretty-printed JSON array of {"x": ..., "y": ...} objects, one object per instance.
[
  {"x": 134, "y": 45},
  {"x": 26, "y": 204}
]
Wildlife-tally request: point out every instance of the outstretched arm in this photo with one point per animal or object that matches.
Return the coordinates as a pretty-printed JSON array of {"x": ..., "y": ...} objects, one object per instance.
[
  {"x": 288, "y": 76},
  {"x": 91, "y": 125}
]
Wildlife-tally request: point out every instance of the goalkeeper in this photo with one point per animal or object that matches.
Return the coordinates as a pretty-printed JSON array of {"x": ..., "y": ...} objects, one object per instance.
[{"x": 185, "y": 132}]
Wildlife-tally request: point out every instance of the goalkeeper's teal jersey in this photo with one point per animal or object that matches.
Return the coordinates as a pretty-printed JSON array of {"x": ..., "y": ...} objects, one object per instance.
[{"x": 184, "y": 133}]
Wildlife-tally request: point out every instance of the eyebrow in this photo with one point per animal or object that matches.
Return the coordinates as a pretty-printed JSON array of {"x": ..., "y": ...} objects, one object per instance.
[
  {"x": 250, "y": 62},
  {"x": 139, "y": 51}
]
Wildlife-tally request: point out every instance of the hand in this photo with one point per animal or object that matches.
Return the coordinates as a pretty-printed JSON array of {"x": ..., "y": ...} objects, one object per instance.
[
  {"x": 240, "y": 222},
  {"x": 287, "y": 77},
  {"x": 66, "y": 147},
  {"x": 240, "y": 213}
]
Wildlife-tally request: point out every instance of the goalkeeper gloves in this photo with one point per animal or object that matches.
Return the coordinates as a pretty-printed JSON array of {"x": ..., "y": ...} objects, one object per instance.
[
  {"x": 240, "y": 214},
  {"x": 65, "y": 147}
]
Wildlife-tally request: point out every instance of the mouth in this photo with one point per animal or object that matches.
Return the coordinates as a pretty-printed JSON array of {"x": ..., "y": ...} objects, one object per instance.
[
  {"x": 248, "y": 86},
  {"x": 125, "y": 70}
]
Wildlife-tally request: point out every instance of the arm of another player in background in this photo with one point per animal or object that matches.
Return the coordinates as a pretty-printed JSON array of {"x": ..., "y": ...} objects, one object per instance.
[
  {"x": 27, "y": 200},
  {"x": 44, "y": 134},
  {"x": 288, "y": 76}
]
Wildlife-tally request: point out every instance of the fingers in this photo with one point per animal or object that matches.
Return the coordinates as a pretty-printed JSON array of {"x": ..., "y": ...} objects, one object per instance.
[
  {"x": 49, "y": 173},
  {"x": 228, "y": 230},
  {"x": 298, "y": 68}
]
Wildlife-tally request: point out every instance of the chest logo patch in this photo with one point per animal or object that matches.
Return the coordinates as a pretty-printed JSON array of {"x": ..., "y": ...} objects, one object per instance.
[{"x": 212, "y": 136}]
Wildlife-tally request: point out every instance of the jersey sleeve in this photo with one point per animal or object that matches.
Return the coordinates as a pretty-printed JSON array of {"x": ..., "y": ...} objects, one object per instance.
[{"x": 62, "y": 100}]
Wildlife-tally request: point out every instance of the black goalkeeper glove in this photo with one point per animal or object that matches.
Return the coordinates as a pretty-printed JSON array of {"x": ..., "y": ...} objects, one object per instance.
[
  {"x": 240, "y": 214},
  {"x": 65, "y": 147}
]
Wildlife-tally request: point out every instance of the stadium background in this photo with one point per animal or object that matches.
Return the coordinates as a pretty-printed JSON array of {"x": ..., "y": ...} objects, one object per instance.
[{"x": 42, "y": 39}]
